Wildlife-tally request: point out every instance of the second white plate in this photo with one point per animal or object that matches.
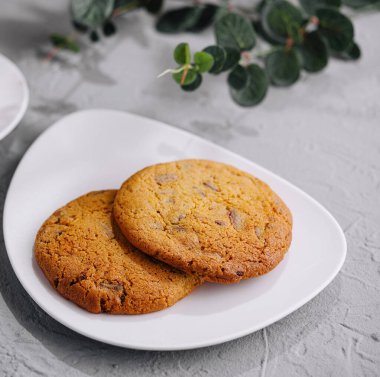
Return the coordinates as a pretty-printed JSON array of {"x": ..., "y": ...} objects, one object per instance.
[
  {"x": 99, "y": 149},
  {"x": 14, "y": 96}
]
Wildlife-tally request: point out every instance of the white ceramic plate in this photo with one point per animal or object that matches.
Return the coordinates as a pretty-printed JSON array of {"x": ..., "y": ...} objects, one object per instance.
[
  {"x": 99, "y": 149},
  {"x": 14, "y": 96}
]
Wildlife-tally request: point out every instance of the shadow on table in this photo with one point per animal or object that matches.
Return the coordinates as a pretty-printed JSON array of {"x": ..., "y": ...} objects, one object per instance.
[
  {"x": 31, "y": 32},
  {"x": 88, "y": 356}
]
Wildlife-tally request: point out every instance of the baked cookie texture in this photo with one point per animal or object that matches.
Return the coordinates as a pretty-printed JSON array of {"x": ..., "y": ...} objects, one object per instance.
[
  {"x": 205, "y": 218},
  {"x": 87, "y": 260}
]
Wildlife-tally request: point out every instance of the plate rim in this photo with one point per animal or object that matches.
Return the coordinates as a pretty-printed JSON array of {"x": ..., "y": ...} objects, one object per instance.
[
  {"x": 191, "y": 345},
  {"x": 25, "y": 101}
]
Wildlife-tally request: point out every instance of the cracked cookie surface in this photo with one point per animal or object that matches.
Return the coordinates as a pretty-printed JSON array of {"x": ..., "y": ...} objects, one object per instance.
[
  {"x": 205, "y": 218},
  {"x": 87, "y": 260}
]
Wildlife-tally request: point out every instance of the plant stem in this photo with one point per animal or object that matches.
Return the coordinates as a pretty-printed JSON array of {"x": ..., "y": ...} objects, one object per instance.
[
  {"x": 52, "y": 53},
  {"x": 170, "y": 70},
  {"x": 184, "y": 74}
]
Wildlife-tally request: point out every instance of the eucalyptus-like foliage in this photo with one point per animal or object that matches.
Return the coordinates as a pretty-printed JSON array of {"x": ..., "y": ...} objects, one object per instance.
[{"x": 298, "y": 38}]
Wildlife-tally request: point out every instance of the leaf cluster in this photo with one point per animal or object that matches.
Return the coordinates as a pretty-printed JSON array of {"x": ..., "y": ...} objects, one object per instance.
[
  {"x": 95, "y": 17},
  {"x": 299, "y": 38}
]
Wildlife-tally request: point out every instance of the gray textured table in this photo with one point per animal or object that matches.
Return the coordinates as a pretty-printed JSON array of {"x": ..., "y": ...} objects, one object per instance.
[{"x": 323, "y": 134}]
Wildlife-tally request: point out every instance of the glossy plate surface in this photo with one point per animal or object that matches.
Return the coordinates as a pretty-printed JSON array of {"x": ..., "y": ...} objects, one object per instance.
[
  {"x": 14, "y": 96},
  {"x": 99, "y": 149}
]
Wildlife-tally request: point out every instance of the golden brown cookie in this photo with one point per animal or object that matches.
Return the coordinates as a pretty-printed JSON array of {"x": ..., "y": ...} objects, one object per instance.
[
  {"x": 205, "y": 218},
  {"x": 88, "y": 261}
]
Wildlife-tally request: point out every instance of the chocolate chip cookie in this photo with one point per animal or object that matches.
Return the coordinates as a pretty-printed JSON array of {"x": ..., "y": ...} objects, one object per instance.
[
  {"x": 87, "y": 260},
  {"x": 205, "y": 218}
]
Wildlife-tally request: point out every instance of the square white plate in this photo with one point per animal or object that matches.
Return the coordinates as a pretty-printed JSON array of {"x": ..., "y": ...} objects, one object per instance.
[{"x": 99, "y": 149}]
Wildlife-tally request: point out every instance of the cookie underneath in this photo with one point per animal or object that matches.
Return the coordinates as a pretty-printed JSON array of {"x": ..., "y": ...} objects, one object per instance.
[
  {"x": 88, "y": 261},
  {"x": 206, "y": 218}
]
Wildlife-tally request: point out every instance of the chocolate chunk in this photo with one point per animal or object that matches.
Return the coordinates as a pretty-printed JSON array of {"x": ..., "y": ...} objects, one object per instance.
[
  {"x": 199, "y": 191},
  {"x": 235, "y": 218},
  {"x": 107, "y": 229},
  {"x": 122, "y": 298},
  {"x": 169, "y": 201},
  {"x": 114, "y": 286},
  {"x": 103, "y": 305},
  {"x": 258, "y": 231},
  {"x": 211, "y": 186},
  {"x": 78, "y": 279},
  {"x": 156, "y": 226},
  {"x": 181, "y": 216},
  {"x": 179, "y": 228},
  {"x": 164, "y": 178},
  {"x": 220, "y": 222},
  {"x": 178, "y": 218},
  {"x": 239, "y": 273}
]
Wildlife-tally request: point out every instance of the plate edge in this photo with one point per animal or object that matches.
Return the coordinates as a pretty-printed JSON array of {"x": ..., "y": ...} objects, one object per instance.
[
  {"x": 179, "y": 130},
  {"x": 25, "y": 103}
]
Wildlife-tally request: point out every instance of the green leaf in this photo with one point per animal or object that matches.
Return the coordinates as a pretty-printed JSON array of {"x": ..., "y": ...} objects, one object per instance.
[
  {"x": 128, "y": 3},
  {"x": 360, "y": 3},
  {"x": 281, "y": 20},
  {"x": 282, "y": 67},
  {"x": 203, "y": 61},
  {"x": 94, "y": 36},
  {"x": 64, "y": 42},
  {"x": 153, "y": 6},
  {"x": 193, "y": 19},
  {"x": 295, "y": 34},
  {"x": 219, "y": 54},
  {"x": 311, "y": 6},
  {"x": 194, "y": 85},
  {"x": 182, "y": 54},
  {"x": 79, "y": 27},
  {"x": 336, "y": 28},
  {"x": 260, "y": 6},
  {"x": 189, "y": 79},
  {"x": 222, "y": 11},
  {"x": 352, "y": 53},
  {"x": 255, "y": 88},
  {"x": 109, "y": 28},
  {"x": 205, "y": 19},
  {"x": 224, "y": 58},
  {"x": 91, "y": 13},
  {"x": 234, "y": 31},
  {"x": 314, "y": 52},
  {"x": 238, "y": 78},
  {"x": 177, "y": 20},
  {"x": 258, "y": 26},
  {"x": 232, "y": 59}
]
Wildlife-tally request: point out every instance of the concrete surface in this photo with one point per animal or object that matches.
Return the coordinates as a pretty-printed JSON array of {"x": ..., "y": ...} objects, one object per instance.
[{"x": 323, "y": 134}]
